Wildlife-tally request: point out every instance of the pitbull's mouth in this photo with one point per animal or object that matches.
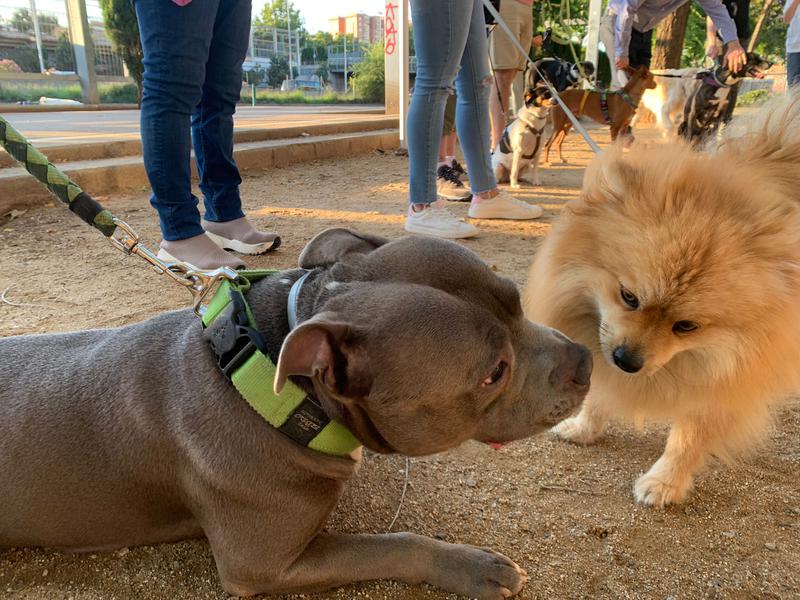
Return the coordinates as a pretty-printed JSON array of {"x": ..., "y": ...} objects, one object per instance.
[{"x": 495, "y": 445}]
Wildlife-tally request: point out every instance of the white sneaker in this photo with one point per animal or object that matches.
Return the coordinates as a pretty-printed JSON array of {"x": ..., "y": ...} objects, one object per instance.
[
  {"x": 439, "y": 222},
  {"x": 503, "y": 206}
]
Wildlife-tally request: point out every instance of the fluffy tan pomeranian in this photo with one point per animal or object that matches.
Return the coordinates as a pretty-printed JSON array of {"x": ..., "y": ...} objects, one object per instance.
[{"x": 681, "y": 272}]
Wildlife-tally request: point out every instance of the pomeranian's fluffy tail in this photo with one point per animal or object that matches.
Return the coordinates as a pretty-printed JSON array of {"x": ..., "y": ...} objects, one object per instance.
[{"x": 768, "y": 140}]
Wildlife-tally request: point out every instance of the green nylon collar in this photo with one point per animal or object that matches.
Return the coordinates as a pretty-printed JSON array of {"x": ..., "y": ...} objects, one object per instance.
[{"x": 254, "y": 378}]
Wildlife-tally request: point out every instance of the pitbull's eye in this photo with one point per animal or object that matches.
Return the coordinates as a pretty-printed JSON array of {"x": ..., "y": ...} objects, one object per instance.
[
  {"x": 628, "y": 297},
  {"x": 684, "y": 327},
  {"x": 496, "y": 375}
]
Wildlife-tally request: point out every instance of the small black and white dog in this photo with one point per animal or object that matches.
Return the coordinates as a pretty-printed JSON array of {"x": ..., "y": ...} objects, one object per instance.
[
  {"x": 707, "y": 107},
  {"x": 559, "y": 73},
  {"x": 518, "y": 150}
]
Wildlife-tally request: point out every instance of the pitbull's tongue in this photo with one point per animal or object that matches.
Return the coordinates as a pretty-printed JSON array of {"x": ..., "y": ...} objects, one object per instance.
[{"x": 495, "y": 445}]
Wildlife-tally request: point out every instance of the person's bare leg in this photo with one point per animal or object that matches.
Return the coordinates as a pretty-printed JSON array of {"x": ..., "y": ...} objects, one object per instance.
[
  {"x": 499, "y": 105},
  {"x": 447, "y": 147}
]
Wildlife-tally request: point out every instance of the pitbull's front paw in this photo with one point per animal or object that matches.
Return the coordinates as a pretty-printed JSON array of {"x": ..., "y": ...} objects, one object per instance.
[
  {"x": 576, "y": 430},
  {"x": 655, "y": 490},
  {"x": 482, "y": 573},
  {"x": 536, "y": 181}
]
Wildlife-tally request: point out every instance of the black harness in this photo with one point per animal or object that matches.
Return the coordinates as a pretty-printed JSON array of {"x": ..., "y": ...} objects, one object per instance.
[{"x": 505, "y": 141}]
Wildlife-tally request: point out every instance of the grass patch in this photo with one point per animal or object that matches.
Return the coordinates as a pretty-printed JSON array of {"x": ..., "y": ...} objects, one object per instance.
[
  {"x": 297, "y": 97},
  {"x": 110, "y": 93},
  {"x": 753, "y": 98}
]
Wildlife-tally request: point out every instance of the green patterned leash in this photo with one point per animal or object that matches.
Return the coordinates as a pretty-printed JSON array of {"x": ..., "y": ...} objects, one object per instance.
[
  {"x": 62, "y": 187},
  {"x": 197, "y": 281}
]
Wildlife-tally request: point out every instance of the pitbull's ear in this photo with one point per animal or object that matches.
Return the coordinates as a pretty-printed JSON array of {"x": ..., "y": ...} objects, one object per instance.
[
  {"x": 333, "y": 245},
  {"x": 321, "y": 349}
]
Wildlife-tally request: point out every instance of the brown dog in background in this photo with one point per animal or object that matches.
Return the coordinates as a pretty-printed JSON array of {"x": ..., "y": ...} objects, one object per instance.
[{"x": 620, "y": 108}]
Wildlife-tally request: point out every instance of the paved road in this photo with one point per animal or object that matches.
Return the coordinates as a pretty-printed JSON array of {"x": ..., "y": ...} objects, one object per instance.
[{"x": 59, "y": 128}]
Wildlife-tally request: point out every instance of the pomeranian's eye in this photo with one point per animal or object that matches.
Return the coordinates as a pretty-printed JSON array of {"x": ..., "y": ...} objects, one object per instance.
[
  {"x": 628, "y": 297},
  {"x": 684, "y": 327},
  {"x": 496, "y": 375}
]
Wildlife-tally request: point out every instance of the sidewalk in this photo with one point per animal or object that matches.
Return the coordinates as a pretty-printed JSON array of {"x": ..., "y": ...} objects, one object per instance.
[
  {"x": 80, "y": 127},
  {"x": 101, "y": 151}
]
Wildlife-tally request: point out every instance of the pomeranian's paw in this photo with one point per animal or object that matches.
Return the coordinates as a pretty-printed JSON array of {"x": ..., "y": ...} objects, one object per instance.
[
  {"x": 514, "y": 185},
  {"x": 653, "y": 490},
  {"x": 576, "y": 431}
]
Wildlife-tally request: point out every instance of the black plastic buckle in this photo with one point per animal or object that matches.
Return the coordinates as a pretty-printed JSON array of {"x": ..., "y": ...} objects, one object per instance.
[{"x": 231, "y": 337}]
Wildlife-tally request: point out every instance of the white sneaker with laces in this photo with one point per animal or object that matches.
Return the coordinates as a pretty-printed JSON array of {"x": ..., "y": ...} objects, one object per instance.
[
  {"x": 503, "y": 206},
  {"x": 439, "y": 222}
]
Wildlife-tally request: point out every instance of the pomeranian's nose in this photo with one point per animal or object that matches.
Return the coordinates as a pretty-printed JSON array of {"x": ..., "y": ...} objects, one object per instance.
[{"x": 627, "y": 360}]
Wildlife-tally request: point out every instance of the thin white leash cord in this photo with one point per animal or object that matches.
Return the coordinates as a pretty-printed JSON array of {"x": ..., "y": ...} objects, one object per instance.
[
  {"x": 592, "y": 144},
  {"x": 402, "y": 496}
]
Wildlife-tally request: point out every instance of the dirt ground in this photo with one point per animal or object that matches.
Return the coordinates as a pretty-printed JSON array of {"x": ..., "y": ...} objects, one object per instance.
[{"x": 565, "y": 513}]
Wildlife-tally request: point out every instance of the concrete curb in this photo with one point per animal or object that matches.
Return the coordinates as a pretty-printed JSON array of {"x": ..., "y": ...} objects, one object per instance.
[
  {"x": 111, "y": 175},
  {"x": 27, "y": 108},
  {"x": 101, "y": 150},
  {"x": 22, "y": 108}
]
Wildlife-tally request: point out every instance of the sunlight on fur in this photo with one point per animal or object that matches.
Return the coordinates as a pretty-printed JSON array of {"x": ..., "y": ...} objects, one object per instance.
[{"x": 681, "y": 271}]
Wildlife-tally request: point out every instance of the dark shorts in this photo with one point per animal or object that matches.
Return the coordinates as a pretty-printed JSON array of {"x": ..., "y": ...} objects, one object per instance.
[
  {"x": 793, "y": 68},
  {"x": 739, "y": 10},
  {"x": 640, "y": 50}
]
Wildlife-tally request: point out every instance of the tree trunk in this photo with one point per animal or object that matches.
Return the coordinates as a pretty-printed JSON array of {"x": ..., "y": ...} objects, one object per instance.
[
  {"x": 669, "y": 39},
  {"x": 759, "y": 25}
]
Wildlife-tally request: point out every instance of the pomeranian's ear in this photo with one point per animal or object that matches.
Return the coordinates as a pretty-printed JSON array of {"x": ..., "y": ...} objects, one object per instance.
[{"x": 610, "y": 178}]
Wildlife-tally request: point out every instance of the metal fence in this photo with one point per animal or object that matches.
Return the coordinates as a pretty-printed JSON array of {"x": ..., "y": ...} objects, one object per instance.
[{"x": 18, "y": 49}]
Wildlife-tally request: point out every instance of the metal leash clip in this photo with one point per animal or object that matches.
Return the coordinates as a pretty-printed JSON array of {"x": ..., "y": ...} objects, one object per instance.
[{"x": 199, "y": 282}]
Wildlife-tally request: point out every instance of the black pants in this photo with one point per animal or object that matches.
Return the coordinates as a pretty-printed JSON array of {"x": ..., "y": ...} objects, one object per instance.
[{"x": 640, "y": 50}]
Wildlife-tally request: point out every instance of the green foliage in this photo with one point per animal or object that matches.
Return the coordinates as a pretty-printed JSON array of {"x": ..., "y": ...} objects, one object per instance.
[
  {"x": 322, "y": 73},
  {"x": 277, "y": 72},
  {"x": 64, "y": 58},
  {"x": 26, "y": 57},
  {"x": 568, "y": 20},
  {"x": 771, "y": 41},
  {"x": 274, "y": 15},
  {"x": 318, "y": 44},
  {"x": 255, "y": 76},
  {"x": 297, "y": 97},
  {"x": 109, "y": 93},
  {"x": 369, "y": 76},
  {"x": 119, "y": 93},
  {"x": 753, "y": 97},
  {"x": 22, "y": 21},
  {"x": 123, "y": 30}
]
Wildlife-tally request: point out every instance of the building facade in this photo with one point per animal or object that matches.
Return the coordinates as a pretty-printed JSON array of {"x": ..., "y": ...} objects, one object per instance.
[{"x": 364, "y": 28}]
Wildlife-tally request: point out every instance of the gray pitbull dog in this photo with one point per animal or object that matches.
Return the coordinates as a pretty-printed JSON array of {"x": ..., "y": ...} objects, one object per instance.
[{"x": 120, "y": 437}]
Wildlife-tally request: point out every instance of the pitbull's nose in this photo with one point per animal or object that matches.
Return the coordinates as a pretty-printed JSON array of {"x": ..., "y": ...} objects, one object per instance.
[
  {"x": 625, "y": 359},
  {"x": 574, "y": 368},
  {"x": 583, "y": 372}
]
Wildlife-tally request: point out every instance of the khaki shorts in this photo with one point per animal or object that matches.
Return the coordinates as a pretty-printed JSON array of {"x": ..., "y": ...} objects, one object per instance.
[{"x": 519, "y": 18}]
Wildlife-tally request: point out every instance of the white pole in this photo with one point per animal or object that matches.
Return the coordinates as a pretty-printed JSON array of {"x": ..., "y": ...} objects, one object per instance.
[
  {"x": 345, "y": 60},
  {"x": 289, "y": 23},
  {"x": 593, "y": 37},
  {"x": 402, "y": 47},
  {"x": 37, "y": 32}
]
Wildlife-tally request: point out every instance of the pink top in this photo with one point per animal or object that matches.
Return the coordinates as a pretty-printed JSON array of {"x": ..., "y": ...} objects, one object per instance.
[{"x": 525, "y": 2}]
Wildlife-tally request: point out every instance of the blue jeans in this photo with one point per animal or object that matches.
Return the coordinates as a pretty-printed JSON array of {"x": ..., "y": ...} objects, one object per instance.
[
  {"x": 449, "y": 34},
  {"x": 793, "y": 69},
  {"x": 192, "y": 79}
]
